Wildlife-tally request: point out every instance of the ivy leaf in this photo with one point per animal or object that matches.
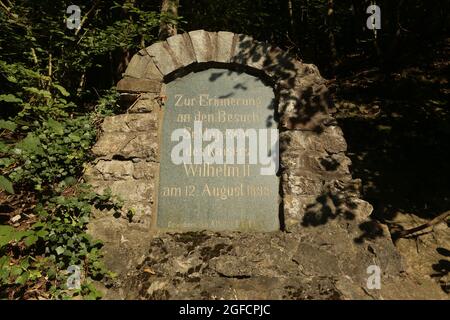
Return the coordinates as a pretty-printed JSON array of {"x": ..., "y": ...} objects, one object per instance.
[
  {"x": 6, "y": 185},
  {"x": 8, "y": 233},
  {"x": 74, "y": 137},
  {"x": 31, "y": 144},
  {"x": 56, "y": 126},
  {"x": 11, "y": 78},
  {"x": 3, "y": 147},
  {"x": 61, "y": 89},
  {"x": 9, "y": 125},
  {"x": 22, "y": 279},
  {"x": 9, "y": 98},
  {"x": 30, "y": 240},
  {"x": 6, "y": 162},
  {"x": 59, "y": 250},
  {"x": 39, "y": 92}
]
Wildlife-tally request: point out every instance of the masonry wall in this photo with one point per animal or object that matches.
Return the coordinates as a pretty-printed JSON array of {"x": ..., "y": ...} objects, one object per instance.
[{"x": 312, "y": 146}]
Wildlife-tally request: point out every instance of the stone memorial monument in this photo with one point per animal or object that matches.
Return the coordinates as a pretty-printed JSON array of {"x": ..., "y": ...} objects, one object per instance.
[
  {"x": 235, "y": 172},
  {"x": 206, "y": 83}
]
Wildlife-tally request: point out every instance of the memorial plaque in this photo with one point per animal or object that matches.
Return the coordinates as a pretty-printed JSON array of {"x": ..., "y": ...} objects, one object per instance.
[{"x": 219, "y": 154}]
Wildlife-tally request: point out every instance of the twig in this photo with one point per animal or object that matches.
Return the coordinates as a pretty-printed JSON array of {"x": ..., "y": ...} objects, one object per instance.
[
  {"x": 50, "y": 69},
  {"x": 33, "y": 54},
  {"x": 5, "y": 7},
  {"x": 14, "y": 17},
  {"x": 94, "y": 6},
  {"x": 440, "y": 218}
]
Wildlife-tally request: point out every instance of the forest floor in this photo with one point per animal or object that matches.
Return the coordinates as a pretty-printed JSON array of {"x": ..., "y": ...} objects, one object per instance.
[{"x": 397, "y": 127}]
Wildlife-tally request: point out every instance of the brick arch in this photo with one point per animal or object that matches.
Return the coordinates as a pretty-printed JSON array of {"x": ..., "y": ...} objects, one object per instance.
[{"x": 312, "y": 146}]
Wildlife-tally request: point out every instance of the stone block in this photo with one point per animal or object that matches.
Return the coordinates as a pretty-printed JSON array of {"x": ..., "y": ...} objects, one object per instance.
[
  {"x": 142, "y": 66},
  {"x": 110, "y": 170},
  {"x": 149, "y": 102},
  {"x": 129, "y": 84},
  {"x": 224, "y": 46},
  {"x": 331, "y": 140},
  {"x": 182, "y": 48},
  {"x": 132, "y": 122},
  {"x": 305, "y": 184},
  {"x": 202, "y": 45},
  {"x": 164, "y": 57},
  {"x": 128, "y": 190},
  {"x": 142, "y": 145},
  {"x": 250, "y": 52}
]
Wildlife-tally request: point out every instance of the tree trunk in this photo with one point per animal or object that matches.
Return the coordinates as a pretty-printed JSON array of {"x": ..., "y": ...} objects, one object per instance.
[
  {"x": 292, "y": 22},
  {"x": 169, "y": 10},
  {"x": 331, "y": 37},
  {"x": 120, "y": 58}
]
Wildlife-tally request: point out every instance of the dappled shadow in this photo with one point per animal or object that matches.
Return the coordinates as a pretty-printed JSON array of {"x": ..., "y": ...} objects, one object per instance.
[
  {"x": 442, "y": 269},
  {"x": 370, "y": 230},
  {"x": 401, "y": 152},
  {"x": 328, "y": 206},
  {"x": 302, "y": 99}
]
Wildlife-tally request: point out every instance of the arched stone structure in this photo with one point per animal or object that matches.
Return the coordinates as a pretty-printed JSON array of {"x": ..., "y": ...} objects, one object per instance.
[
  {"x": 310, "y": 140},
  {"x": 320, "y": 200}
]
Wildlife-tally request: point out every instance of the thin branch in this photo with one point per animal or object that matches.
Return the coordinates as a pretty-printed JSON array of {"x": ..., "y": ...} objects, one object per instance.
[
  {"x": 50, "y": 69},
  {"x": 87, "y": 15},
  {"x": 440, "y": 218},
  {"x": 14, "y": 17},
  {"x": 169, "y": 9}
]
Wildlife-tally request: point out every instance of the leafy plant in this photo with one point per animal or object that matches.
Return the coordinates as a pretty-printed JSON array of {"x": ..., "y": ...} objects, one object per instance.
[{"x": 56, "y": 241}]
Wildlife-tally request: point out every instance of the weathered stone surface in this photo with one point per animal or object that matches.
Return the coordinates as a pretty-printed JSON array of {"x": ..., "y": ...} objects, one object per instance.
[
  {"x": 224, "y": 46},
  {"x": 137, "y": 66},
  {"x": 203, "y": 45},
  {"x": 124, "y": 243},
  {"x": 164, "y": 57},
  {"x": 142, "y": 145},
  {"x": 181, "y": 46},
  {"x": 250, "y": 52},
  {"x": 109, "y": 170},
  {"x": 142, "y": 66},
  {"x": 331, "y": 140},
  {"x": 131, "y": 123},
  {"x": 129, "y": 84},
  {"x": 301, "y": 184},
  {"x": 129, "y": 190},
  {"x": 152, "y": 71},
  {"x": 149, "y": 102},
  {"x": 145, "y": 170},
  {"x": 327, "y": 166},
  {"x": 279, "y": 65},
  {"x": 305, "y": 107},
  {"x": 294, "y": 209},
  {"x": 322, "y": 262},
  {"x": 329, "y": 239}
]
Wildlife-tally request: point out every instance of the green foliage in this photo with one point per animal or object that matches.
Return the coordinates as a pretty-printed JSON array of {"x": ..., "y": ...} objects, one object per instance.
[
  {"x": 6, "y": 185},
  {"x": 57, "y": 241},
  {"x": 50, "y": 113},
  {"x": 52, "y": 152}
]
